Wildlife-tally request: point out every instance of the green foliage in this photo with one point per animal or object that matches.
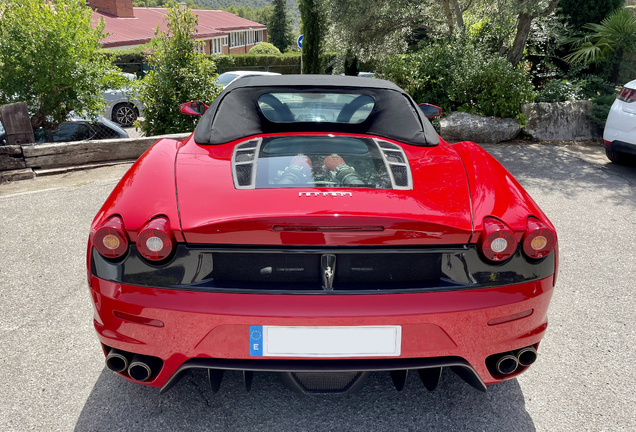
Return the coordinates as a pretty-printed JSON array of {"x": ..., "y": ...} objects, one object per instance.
[
  {"x": 458, "y": 76},
  {"x": 582, "y": 12},
  {"x": 49, "y": 58},
  {"x": 253, "y": 10},
  {"x": 586, "y": 88},
  {"x": 179, "y": 75},
  {"x": 259, "y": 15},
  {"x": 279, "y": 27},
  {"x": 314, "y": 18},
  {"x": 590, "y": 87},
  {"x": 600, "y": 109},
  {"x": 264, "y": 48},
  {"x": 126, "y": 55},
  {"x": 291, "y": 60},
  {"x": 615, "y": 34}
]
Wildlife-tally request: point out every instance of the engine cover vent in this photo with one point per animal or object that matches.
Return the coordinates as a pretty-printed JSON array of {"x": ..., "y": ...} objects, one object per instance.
[
  {"x": 244, "y": 164},
  {"x": 397, "y": 165}
]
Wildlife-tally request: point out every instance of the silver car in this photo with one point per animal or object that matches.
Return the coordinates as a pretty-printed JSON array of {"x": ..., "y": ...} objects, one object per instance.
[{"x": 123, "y": 107}]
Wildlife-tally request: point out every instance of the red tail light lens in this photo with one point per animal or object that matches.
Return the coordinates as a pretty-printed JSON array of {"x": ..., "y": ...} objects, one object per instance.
[
  {"x": 110, "y": 239},
  {"x": 538, "y": 240},
  {"x": 155, "y": 241},
  {"x": 498, "y": 242},
  {"x": 627, "y": 95}
]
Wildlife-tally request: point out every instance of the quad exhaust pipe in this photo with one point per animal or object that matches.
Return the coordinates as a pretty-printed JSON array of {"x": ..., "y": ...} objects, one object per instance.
[
  {"x": 118, "y": 361},
  {"x": 507, "y": 363},
  {"x": 526, "y": 356},
  {"x": 139, "y": 367}
]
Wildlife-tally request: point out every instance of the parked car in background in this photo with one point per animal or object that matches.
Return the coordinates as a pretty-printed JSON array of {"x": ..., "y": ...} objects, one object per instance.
[
  {"x": 620, "y": 129},
  {"x": 76, "y": 129},
  {"x": 228, "y": 77},
  {"x": 123, "y": 107}
]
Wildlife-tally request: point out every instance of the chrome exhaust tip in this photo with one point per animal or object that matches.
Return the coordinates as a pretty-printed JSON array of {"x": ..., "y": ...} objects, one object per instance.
[
  {"x": 142, "y": 367},
  {"x": 118, "y": 360},
  {"x": 526, "y": 356},
  {"x": 507, "y": 364}
]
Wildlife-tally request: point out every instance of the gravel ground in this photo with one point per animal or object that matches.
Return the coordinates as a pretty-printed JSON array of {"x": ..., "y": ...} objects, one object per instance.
[{"x": 52, "y": 370}]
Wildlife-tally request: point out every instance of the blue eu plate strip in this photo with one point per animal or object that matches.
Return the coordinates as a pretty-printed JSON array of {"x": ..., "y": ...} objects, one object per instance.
[{"x": 256, "y": 341}]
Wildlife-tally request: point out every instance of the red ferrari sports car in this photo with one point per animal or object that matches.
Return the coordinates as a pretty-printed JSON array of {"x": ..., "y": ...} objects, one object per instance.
[{"x": 318, "y": 226}]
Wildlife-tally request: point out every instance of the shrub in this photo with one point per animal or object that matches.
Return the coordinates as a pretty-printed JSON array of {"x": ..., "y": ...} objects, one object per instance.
[
  {"x": 126, "y": 55},
  {"x": 588, "y": 87},
  {"x": 264, "y": 48},
  {"x": 288, "y": 63},
  {"x": 179, "y": 75},
  {"x": 600, "y": 109},
  {"x": 460, "y": 76}
]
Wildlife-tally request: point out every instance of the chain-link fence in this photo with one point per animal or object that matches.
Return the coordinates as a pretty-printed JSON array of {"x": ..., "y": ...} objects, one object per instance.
[{"x": 80, "y": 130}]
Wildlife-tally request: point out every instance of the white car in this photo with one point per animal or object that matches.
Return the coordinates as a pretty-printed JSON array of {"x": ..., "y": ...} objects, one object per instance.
[
  {"x": 122, "y": 108},
  {"x": 227, "y": 78},
  {"x": 620, "y": 128}
]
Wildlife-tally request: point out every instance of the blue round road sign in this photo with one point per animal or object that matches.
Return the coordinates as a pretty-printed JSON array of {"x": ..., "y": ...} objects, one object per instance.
[{"x": 300, "y": 41}]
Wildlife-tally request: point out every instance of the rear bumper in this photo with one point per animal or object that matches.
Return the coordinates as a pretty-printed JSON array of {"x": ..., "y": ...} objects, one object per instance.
[
  {"x": 622, "y": 147},
  {"x": 211, "y": 330}
]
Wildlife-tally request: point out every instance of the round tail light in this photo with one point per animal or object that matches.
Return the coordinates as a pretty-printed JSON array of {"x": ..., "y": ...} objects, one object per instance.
[
  {"x": 538, "y": 240},
  {"x": 110, "y": 239},
  {"x": 155, "y": 241},
  {"x": 498, "y": 242}
]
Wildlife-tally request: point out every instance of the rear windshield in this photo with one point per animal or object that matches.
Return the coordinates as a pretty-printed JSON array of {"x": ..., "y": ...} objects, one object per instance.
[
  {"x": 226, "y": 78},
  {"x": 316, "y": 107},
  {"x": 321, "y": 161}
]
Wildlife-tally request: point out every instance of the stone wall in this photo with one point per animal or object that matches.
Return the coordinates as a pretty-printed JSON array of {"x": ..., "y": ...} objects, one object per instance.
[
  {"x": 26, "y": 161},
  {"x": 559, "y": 121}
]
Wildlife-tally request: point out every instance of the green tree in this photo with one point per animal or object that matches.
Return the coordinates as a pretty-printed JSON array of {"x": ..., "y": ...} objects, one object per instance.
[
  {"x": 49, "y": 59},
  {"x": 279, "y": 26},
  {"x": 264, "y": 48},
  {"x": 313, "y": 16},
  {"x": 582, "y": 12},
  {"x": 615, "y": 35},
  {"x": 179, "y": 75}
]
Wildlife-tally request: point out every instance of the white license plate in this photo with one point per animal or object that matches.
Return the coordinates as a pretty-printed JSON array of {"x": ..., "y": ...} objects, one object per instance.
[{"x": 357, "y": 341}]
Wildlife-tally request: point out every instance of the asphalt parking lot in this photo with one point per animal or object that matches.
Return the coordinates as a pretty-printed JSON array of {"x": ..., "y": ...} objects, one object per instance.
[{"x": 52, "y": 372}]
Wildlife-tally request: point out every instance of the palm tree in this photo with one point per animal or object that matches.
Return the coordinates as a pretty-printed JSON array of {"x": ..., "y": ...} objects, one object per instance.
[{"x": 615, "y": 35}]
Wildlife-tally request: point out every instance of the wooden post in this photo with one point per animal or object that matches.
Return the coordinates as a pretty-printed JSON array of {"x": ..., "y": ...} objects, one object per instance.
[{"x": 17, "y": 124}]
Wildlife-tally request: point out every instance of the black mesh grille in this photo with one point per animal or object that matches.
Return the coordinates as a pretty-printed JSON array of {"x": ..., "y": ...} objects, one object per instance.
[
  {"x": 394, "y": 157},
  {"x": 388, "y": 145},
  {"x": 381, "y": 271},
  {"x": 244, "y": 156},
  {"x": 275, "y": 271},
  {"x": 249, "y": 144},
  {"x": 400, "y": 175},
  {"x": 244, "y": 174},
  {"x": 354, "y": 272},
  {"x": 326, "y": 382}
]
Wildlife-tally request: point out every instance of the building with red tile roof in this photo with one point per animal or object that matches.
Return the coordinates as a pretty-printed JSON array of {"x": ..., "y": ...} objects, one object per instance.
[{"x": 218, "y": 31}]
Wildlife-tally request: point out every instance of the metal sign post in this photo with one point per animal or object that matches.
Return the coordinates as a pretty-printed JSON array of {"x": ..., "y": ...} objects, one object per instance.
[{"x": 300, "y": 45}]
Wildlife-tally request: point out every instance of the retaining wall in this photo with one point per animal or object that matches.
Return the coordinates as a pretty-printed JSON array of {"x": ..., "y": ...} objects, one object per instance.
[{"x": 18, "y": 162}]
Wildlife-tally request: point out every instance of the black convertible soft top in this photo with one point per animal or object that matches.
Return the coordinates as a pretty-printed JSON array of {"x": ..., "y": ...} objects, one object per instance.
[{"x": 235, "y": 113}]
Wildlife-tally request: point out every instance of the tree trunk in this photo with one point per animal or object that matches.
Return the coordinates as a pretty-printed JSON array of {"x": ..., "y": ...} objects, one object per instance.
[
  {"x": 523, "y": 29},
  {"x": 458, "y": 15},
  {"x": 449, "y": 15}
]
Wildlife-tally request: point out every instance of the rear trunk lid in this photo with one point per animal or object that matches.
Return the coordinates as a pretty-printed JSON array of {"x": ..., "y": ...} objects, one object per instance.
[{"x": 437, "y": 211}]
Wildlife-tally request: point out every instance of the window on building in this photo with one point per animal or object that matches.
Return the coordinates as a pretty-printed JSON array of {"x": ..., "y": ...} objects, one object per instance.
[{"x": 200, "y": 47}]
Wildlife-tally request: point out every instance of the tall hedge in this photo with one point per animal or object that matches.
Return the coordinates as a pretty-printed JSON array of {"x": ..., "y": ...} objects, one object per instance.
[{"x": 458, "y": 76}]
